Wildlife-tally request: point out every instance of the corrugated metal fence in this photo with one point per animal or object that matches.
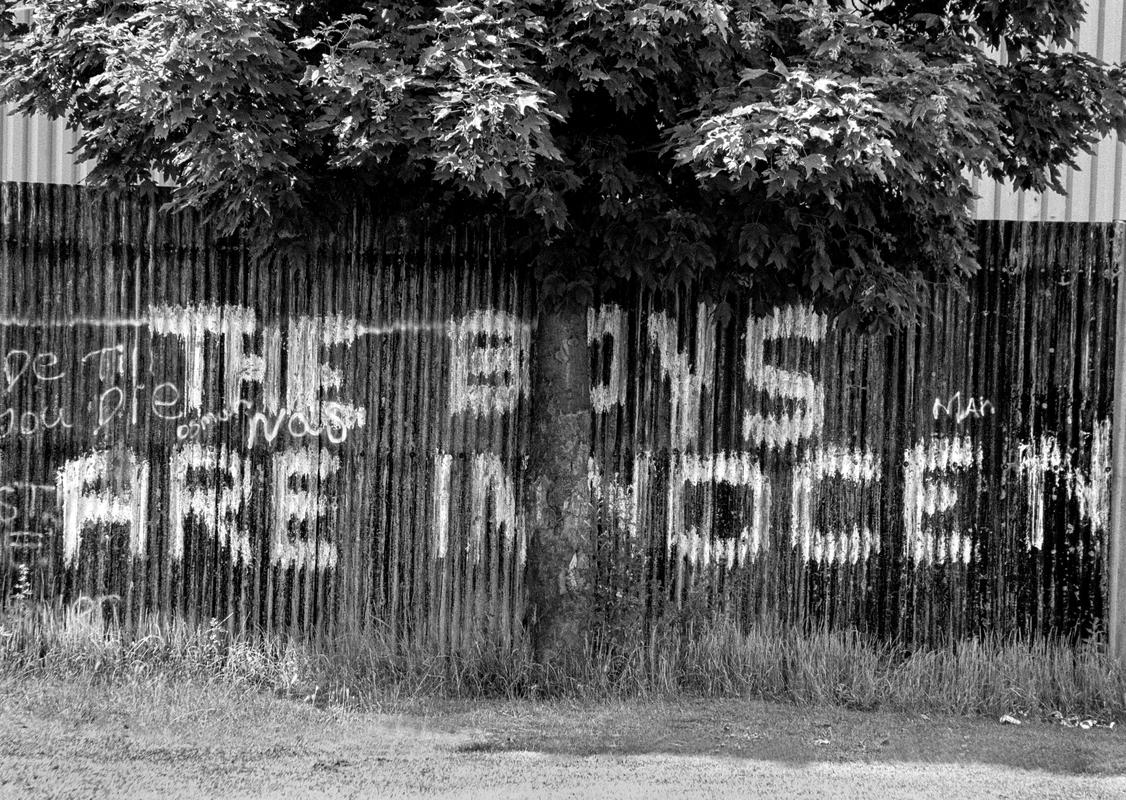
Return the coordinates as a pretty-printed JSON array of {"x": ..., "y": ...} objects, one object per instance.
[
  {"x": 938, "y": 483},
  {"x": 203, "y": 436},
  {"x": 339, "y": 440}
]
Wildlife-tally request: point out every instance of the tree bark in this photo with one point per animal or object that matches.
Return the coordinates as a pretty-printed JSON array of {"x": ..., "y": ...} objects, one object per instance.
[{"x": 561, "y": 541}]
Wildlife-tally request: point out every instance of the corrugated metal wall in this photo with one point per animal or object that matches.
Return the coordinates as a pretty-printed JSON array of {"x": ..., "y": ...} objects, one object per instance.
[
  {"x": 1094, "y": 191},
  {"x": 935, "y": 484},
  {"x": 35, "y": 149},
  {"x": 333, "y": 440},
  {"x": 340, "y": 439}
]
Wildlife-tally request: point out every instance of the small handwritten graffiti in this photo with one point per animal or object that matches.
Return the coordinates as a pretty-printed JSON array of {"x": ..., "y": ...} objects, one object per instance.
[
  {"x": 29, "y": 423},
  {"x": 27, "y": 512},
  {"x": 161, "y": 402},
  {"x": 17, "y": 363},
  {"x": 975, "y": 407},
  {"x": 26, "y": 543},
  {"x": 339, "y": 420},
  {"x": 195, "y": 428},
  {"x": 110, "y": 360}
]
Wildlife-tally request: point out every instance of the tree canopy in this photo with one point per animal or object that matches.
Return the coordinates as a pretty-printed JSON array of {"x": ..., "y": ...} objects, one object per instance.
[{"x": 816, "y": 148}]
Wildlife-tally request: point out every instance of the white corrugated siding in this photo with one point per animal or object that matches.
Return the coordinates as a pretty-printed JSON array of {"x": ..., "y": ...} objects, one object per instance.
[
  {"x": 35, "y": 149},
  {"x": 1094, "y": 191},
  {"x": 38, "y": 150}
]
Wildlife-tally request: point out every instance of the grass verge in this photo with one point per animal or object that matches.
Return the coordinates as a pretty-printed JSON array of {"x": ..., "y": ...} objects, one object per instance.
[{"x": 987, "y": 676}]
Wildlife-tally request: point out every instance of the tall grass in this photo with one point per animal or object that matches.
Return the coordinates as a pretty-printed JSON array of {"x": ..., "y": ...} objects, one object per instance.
[{"x": 974, "y": 676}]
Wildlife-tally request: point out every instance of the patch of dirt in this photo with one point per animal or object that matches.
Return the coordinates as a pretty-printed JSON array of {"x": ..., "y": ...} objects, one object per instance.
[{"x": 196, "y": 742}]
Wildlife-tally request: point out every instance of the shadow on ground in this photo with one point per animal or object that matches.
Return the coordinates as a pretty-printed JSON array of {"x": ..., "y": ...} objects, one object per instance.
[{"x": 790, "y": 734}]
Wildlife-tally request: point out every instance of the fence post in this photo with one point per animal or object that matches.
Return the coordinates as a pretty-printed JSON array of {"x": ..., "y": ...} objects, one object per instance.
[{"x": 1116, "y": 600}]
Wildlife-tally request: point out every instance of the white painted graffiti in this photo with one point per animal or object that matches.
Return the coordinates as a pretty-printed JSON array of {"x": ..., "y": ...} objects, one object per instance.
[
  {"x": 193, "y": 494},
  {"x": 493, "y": 516},
  {"x": 27, "y": 515},
  {"x": 689, "y": 373},
  {"x": 210, "y": 486},
  {"x": 86, "y": 493},
  {"x": 29, "y": 423},
  {"x": 606, "y": 327},
  {"x": 619, "y": 499},
  {"x": 308, "y": 375},
  {"x": 300, "y": 502},
  {"x": 1090, "y": 489},
  {"x": 931, "y": 469},
  {"x": 976, "y": 407},
  {"x": 695, "y": 540},
  {"x": 489, "y": 362},
  {"x": 840, "y": 544},
  {"x": 339, "y": 419},
  {"x": 18, "y": 363},
  {"x": 775, "y": 431},
  {"x": 115, "y": 401}
]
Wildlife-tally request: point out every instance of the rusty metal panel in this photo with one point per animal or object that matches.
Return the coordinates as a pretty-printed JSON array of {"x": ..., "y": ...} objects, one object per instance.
[
  {"x": 330, "y": 440},
  {"x": 947, "y": 481},
  {"x": 1093, "y": 190}
]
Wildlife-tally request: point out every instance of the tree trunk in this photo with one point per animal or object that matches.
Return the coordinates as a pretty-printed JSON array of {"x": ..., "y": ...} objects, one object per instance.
[{"x": 561, "y": 542}]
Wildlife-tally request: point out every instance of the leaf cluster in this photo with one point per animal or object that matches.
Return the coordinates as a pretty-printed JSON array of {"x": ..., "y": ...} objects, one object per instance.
[{"x": 816, "y": 148}]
